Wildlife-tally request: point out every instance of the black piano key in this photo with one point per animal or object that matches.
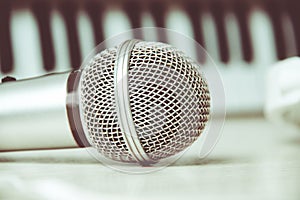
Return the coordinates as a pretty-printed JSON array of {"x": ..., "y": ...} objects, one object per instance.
[
  {"x": 133, "y": 10},
  {"x": 274, "y": 9},
  {"x": 218, "y": 13},
  {"x": 41, "y": 10},
  {"x": 193, "y": 9},
  {"x": 241, "y": 10},
  {"x": 293, "y": 8},
  {"x": 95, "y": 12},
  {"x": 69, "y": 13},
  {"x": 6, "y": 55},
  {"x": 158, "y": 10}
]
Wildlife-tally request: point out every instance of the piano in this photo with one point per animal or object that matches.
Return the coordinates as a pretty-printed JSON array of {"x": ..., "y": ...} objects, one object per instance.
[{"x": 244, "y": 38}]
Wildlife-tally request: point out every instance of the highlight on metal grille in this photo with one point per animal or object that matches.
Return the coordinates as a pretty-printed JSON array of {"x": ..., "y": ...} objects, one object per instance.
[{"x": 142, "y": 102}]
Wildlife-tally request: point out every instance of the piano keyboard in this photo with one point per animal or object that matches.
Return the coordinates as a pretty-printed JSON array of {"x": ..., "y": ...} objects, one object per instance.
[{"x": 243, "y": 37}]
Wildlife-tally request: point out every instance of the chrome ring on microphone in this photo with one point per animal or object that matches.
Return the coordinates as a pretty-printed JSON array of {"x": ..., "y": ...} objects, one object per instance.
[{"x": 123, "y": 103}]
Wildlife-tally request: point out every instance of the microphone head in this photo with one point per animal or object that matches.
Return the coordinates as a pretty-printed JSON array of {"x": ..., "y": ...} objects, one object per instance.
[{"x": 142, "y": 101}]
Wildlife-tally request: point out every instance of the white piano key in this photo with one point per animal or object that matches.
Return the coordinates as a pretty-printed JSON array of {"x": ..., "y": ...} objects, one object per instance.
[
  {"x": 148, "y": 21},
  {"x": 210, "y": 37},
  {"x": 26, "y": 45},
  {"x": 86, "y": 36},
  {"x": 234, "y": 39},
  {"x": 60, "y": 42},
  {"x": 178, "y": 21},
  {"x": 262, "y": 38},
  {"x": 289, "y": 36},
  {"x": 115, "y": 23}
]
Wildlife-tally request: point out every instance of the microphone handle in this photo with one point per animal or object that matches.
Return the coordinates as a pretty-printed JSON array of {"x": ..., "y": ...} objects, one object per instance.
[{"x": 33, "y": 114}]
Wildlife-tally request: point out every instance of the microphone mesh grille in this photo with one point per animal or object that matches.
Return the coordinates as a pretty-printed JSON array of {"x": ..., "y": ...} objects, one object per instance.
[
  {"x": 169, "y": 101},
  {"x": 99, "y": 107}
]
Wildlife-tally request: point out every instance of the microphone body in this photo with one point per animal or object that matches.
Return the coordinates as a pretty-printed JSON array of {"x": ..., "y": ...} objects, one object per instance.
[
  {"x": 33, "y": 114},
  {"x": 139, "y": 102}
]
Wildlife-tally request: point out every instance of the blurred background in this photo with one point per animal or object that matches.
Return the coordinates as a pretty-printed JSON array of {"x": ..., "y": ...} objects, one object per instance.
[{"x": 245, "y": 38}]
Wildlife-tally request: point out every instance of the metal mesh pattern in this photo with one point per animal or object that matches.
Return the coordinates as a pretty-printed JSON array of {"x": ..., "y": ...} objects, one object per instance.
[
  {"x": 169, "y": 101},
  {"x": 99, "y": 108}
]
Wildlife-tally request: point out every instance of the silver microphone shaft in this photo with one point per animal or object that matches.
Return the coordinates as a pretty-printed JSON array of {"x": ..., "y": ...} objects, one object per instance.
[{"x": 33, "y": 114}]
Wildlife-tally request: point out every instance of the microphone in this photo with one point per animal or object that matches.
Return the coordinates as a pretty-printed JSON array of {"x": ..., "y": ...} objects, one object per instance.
[{"x": 137, "y": 102}]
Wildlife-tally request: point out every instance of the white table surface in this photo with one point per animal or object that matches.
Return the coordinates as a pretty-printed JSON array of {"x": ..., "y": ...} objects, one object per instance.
[{"x": 254, "y": 159}]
